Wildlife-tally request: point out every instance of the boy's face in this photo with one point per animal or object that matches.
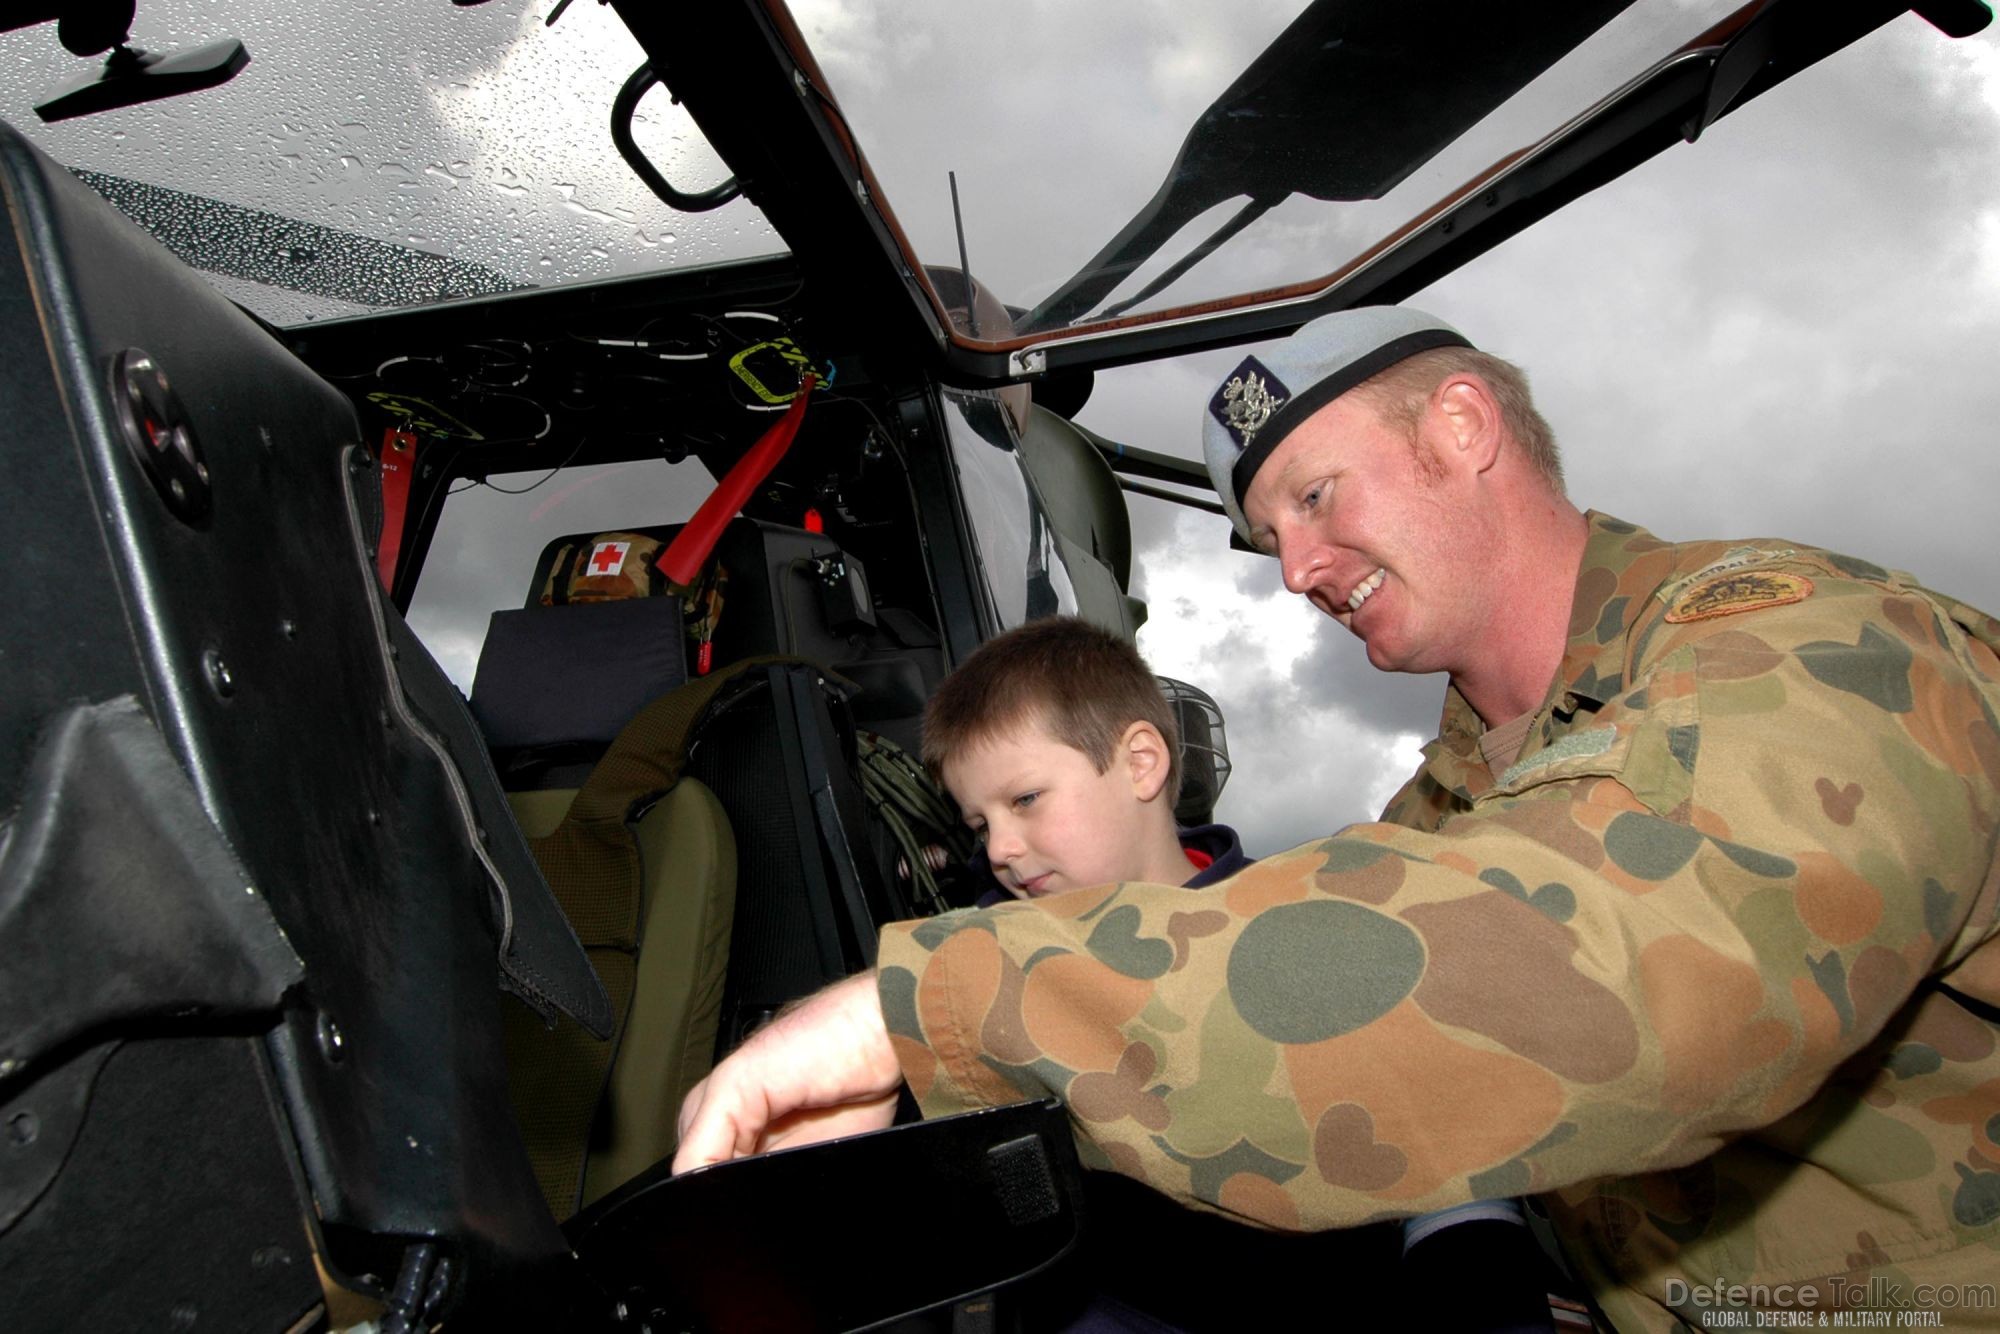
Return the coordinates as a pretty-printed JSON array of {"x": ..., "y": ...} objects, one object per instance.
[{"x": 1050, "y": 822}]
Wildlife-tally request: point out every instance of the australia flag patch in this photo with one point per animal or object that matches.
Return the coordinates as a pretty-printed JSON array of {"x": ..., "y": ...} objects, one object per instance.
[{"x": 1247, "y": 399}]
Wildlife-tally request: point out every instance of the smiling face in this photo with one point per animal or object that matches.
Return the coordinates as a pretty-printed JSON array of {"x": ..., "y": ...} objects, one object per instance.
[
  {"x": 1382, "y": 532},
  {"x": 1051, "y": 822}
]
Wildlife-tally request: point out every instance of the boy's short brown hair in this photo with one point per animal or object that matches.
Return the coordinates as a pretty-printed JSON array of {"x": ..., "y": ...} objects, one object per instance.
[{"x": 1083, "y": 685}]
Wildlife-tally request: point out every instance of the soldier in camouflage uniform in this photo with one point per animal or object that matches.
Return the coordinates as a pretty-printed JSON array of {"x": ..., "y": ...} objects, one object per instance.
[{"x": 1708, "y": 966}]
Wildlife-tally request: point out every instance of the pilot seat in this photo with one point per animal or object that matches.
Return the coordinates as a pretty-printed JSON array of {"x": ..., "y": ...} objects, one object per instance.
[{"x": 707, "y": 833}]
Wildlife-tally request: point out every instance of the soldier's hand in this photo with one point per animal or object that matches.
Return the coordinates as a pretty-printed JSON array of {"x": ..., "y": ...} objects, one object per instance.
[{"x": 818, "y": 1071}]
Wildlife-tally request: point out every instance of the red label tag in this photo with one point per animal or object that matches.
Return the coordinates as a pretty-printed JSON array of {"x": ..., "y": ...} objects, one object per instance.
[
  {"x": 704, "y": 657},
  {"x": 398, "y": 458}
]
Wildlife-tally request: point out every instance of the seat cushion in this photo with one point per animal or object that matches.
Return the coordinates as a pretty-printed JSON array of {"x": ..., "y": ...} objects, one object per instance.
[{"x": 687, "y": 906}]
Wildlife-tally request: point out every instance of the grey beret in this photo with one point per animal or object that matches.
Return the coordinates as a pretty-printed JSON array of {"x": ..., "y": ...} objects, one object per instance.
[{"x": 1264, "y": 398}]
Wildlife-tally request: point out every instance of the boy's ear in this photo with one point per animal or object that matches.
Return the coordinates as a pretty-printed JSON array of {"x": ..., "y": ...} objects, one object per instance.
[{"x": 1144, "y": 752}]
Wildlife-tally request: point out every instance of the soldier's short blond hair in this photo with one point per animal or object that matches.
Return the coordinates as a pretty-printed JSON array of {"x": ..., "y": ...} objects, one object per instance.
[
  {"x": 1083, "y": 685},
  {"x": 1400, "y": 393}
]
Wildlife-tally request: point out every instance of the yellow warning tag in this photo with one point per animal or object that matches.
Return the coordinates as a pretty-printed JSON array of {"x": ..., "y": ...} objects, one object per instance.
[
  {"x": 1743, "y": 590},
  {"x": 760, "y": 360}
]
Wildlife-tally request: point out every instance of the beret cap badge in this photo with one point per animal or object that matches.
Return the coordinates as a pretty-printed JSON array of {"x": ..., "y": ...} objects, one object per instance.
[{"x": 1247, "y": 400}]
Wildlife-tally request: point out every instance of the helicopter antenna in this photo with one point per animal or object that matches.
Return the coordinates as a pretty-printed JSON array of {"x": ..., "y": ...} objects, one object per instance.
[{"x": 964, "y": 266}]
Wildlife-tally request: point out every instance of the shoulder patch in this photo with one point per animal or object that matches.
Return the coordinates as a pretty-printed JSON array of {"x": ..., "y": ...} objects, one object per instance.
[
  {"x": 1575, "y": 745},
  {"x": 1744, "y": 590}
]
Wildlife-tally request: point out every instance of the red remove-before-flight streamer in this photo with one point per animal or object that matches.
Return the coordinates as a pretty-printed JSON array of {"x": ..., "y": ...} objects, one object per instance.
[{"x": 688, "y": 552}]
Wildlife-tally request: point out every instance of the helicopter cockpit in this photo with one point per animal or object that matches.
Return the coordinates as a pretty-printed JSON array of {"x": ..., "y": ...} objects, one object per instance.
[{"x": 476, "y": 593}]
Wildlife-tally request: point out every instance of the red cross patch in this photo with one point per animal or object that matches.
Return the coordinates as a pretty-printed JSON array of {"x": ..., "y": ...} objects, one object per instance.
[{"x": 606, "y": 558}]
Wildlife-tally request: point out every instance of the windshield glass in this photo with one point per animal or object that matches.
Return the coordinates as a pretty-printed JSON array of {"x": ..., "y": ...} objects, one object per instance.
[
  {"x": 389, "y": 154},
  {"x": 1099, "y": 149}
]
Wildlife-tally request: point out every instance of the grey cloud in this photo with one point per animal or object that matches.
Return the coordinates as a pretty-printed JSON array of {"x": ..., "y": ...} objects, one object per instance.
[
  {"x": 1336, "y": 674},
  {"x": 1302, "y": 771},
  {"x": 1143, "y": 82},
  {"x": 1783, "y": 329},
  {"x": 1310, "y": 740}
]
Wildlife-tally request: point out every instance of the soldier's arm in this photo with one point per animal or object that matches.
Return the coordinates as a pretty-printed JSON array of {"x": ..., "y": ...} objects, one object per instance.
[{"x": 1672, "y": 929}]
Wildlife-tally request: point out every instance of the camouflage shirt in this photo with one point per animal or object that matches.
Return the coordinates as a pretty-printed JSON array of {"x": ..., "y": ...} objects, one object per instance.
[{"x": 1704, "y": 969}]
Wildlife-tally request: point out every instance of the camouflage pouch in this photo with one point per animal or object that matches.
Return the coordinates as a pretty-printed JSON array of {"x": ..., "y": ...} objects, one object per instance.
[{"x": 609, "y": 567}]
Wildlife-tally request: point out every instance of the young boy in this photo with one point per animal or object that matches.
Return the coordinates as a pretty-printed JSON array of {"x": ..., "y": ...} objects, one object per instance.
[{"x": 1064, "y": 758}]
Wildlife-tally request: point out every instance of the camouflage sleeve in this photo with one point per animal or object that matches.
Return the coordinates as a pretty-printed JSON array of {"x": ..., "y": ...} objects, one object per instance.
[{"x": 1666, "y": 928}]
